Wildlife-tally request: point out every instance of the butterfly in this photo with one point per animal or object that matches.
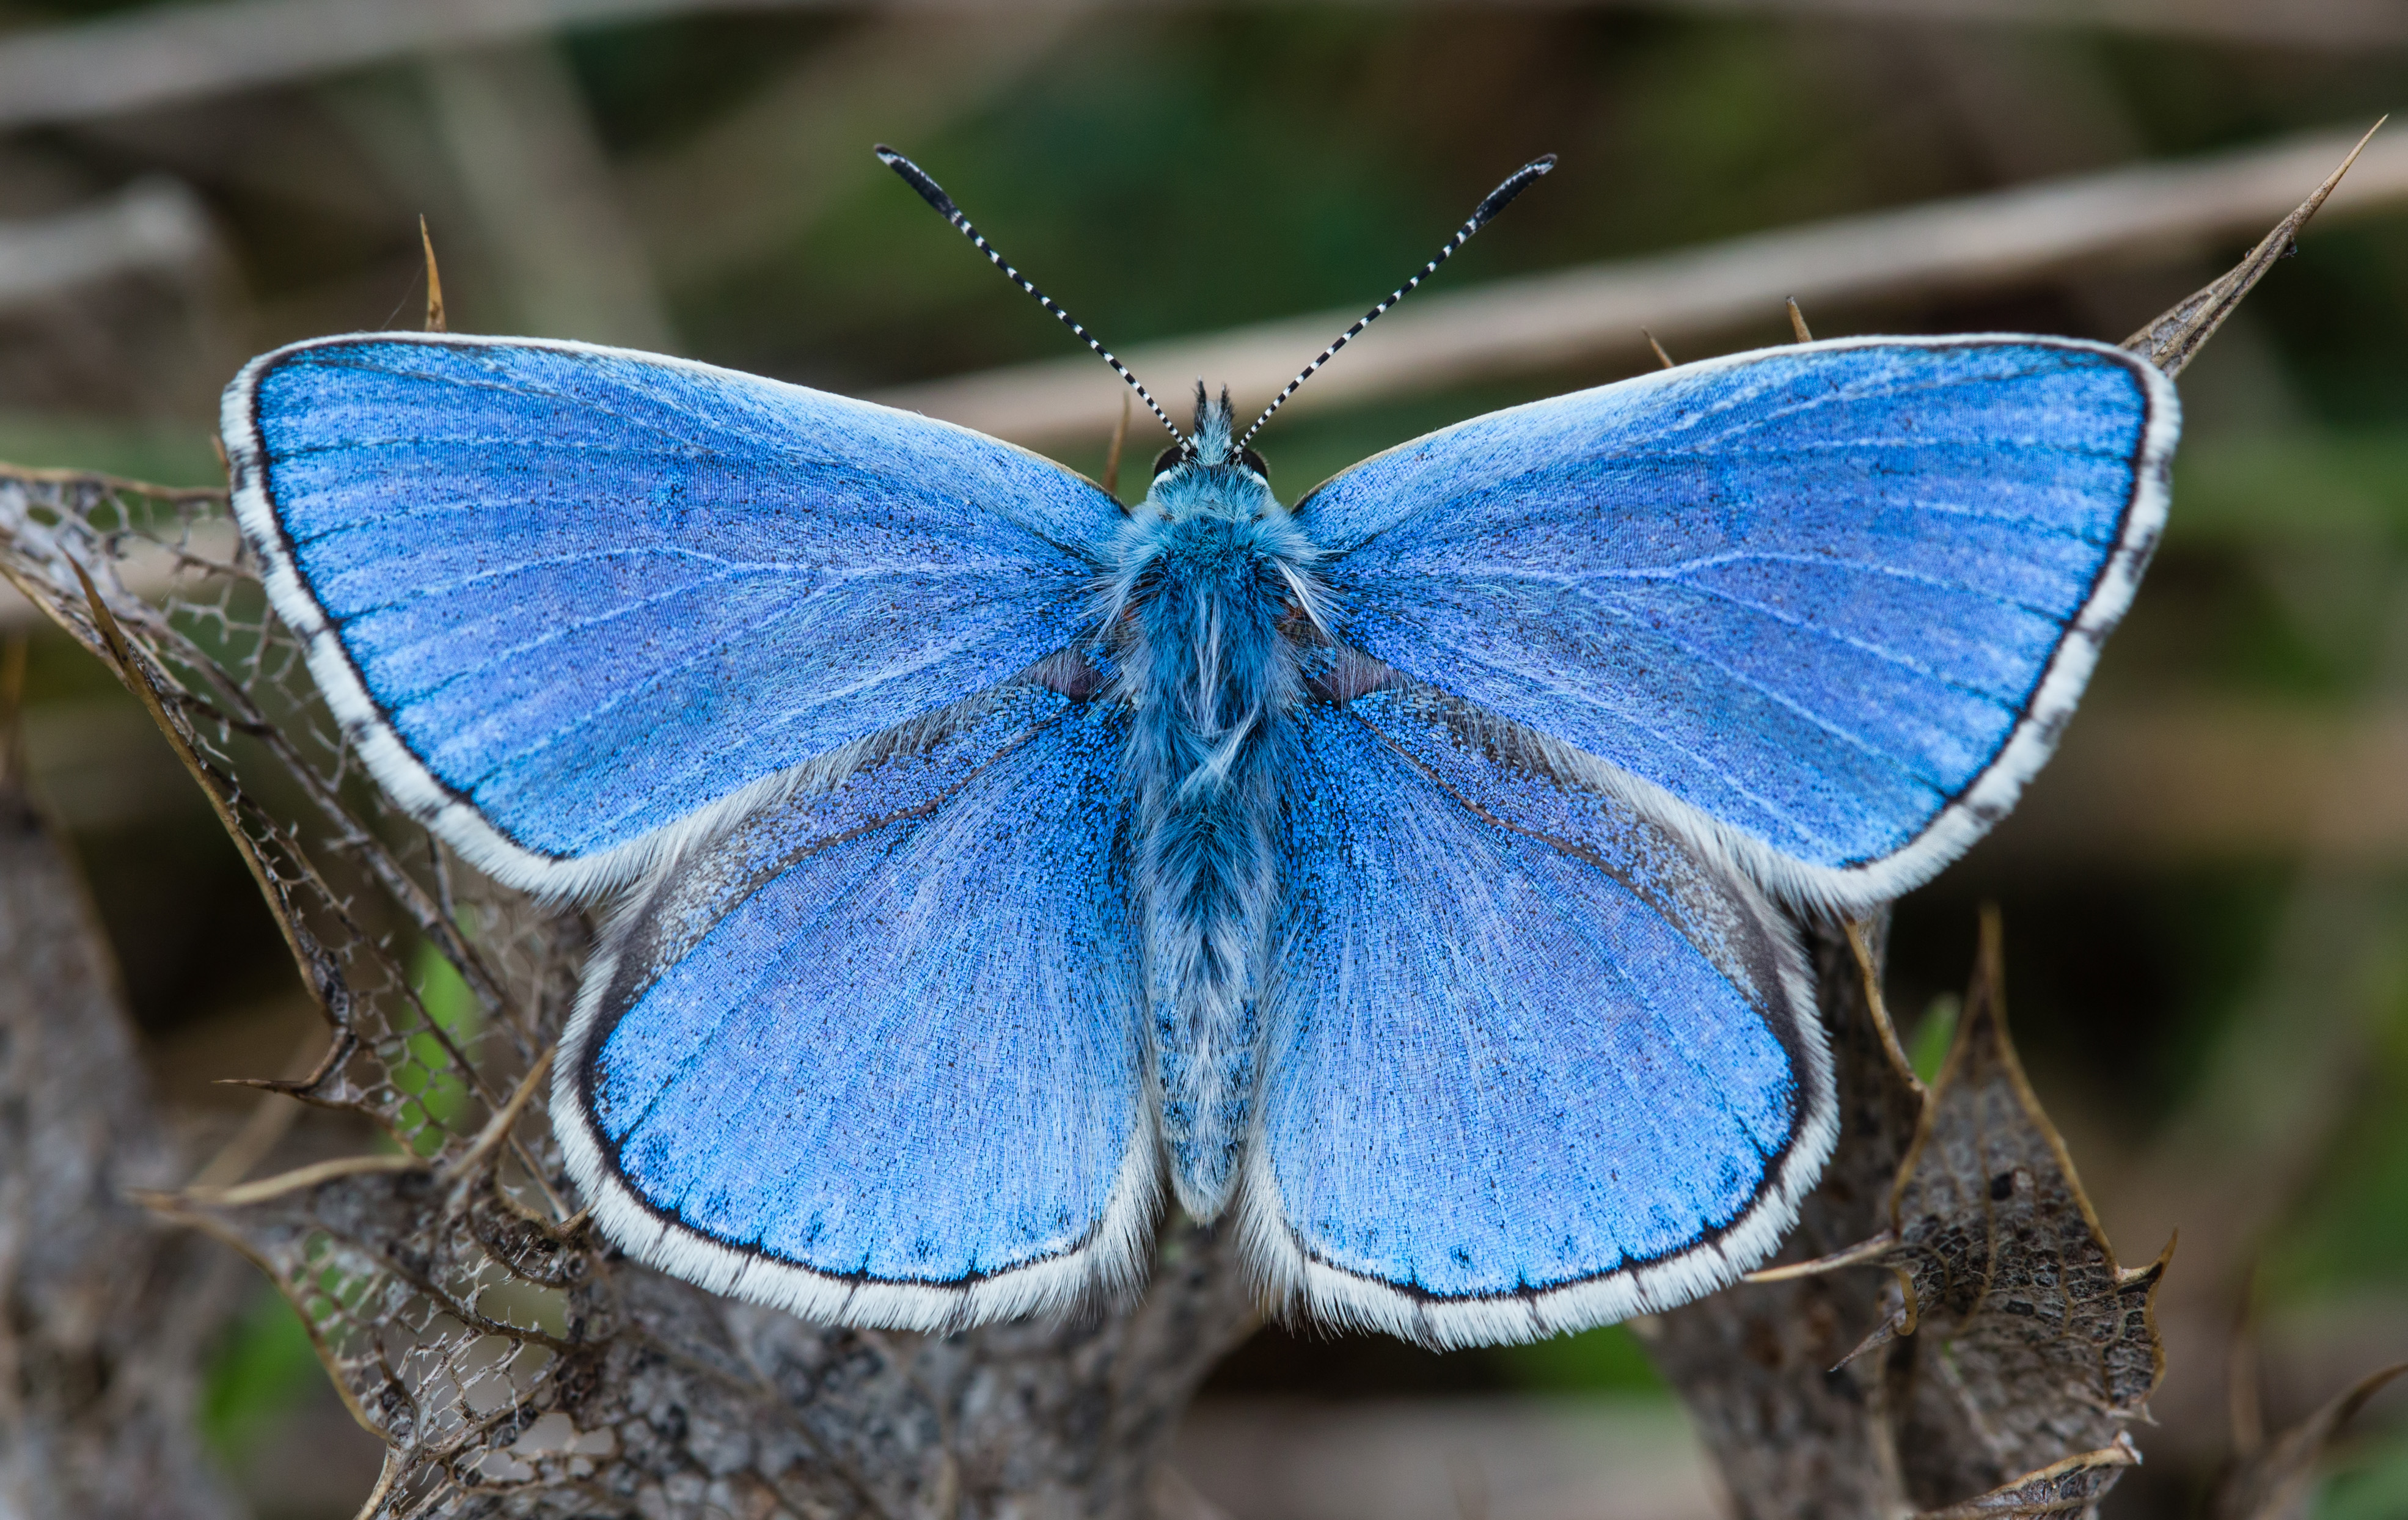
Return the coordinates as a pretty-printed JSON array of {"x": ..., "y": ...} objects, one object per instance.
[{"x": 1406, "y": 879}]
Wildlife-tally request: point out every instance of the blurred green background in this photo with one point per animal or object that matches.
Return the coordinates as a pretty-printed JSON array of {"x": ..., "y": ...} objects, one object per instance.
[{"x": 2206, "y": 897}]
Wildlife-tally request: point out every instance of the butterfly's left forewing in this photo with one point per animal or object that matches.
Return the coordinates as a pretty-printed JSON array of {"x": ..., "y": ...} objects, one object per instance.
[
  {"x": 1535, "y": 1064},
  {"x": 872, "y": 1056},
  {"x": 575, "y": 607},
  {"x": 1823, "y": 607}
]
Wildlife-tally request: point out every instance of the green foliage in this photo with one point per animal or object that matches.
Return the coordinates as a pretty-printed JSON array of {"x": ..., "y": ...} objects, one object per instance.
[
  {"x": 164, "y": 454},
  {"x": 2321, "y": 486},
  {"x": 1176, "y": 170},
  {"x": 2372, "y": 1486},
  {"x": 1608, "y": 1359},
  {"x": 428, "y": 1075},
  {"x": 263, "y": 1366},
  {"x": 2351, "y": 1233},
  {"x": 1933, "y": 1035}
]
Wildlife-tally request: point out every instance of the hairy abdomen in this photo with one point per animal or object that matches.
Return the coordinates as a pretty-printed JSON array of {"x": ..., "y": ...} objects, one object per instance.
[{"x": 1213, "y": 682}]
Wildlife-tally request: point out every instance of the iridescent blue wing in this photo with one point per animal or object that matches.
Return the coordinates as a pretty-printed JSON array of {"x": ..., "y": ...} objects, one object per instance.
[
  {"x": 564, "y": 597},
  {"x": 872, "y": 1055},
  {"x": 1826, "y": 607},
  {"x": 1536, "y": 1064}
]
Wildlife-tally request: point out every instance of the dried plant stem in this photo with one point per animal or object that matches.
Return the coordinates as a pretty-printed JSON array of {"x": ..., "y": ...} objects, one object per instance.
[{"x": 104, "y": 1318}]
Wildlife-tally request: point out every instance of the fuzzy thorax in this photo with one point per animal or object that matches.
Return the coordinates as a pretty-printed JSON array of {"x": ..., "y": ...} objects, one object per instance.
[{"x": 1210, "y": 579}]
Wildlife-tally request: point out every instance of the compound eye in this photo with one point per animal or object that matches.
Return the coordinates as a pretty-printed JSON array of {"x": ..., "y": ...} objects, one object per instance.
[
  {"x": 1168, "y": 457},
  {"x": 1254, "y": 460}
]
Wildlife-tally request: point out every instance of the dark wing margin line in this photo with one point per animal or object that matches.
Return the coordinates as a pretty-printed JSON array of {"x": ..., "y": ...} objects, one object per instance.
[{"x": 629, "y": 923}]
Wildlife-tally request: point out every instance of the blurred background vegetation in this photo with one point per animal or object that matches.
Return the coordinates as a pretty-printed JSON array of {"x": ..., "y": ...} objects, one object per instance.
[{"x": 2206, "y": 895}]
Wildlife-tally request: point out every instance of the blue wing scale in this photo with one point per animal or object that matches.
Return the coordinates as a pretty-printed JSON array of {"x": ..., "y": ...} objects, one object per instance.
[
  {"x": 1825, "y": 607},
  {"x": 1535, "y": 1063},
  {"x": 872, "y": 1055},
  {"x": 567, "y": 598}
]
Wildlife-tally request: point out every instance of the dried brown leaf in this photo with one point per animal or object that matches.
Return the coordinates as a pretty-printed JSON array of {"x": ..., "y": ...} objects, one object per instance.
[
  {"x": 2175, "y": 337},
  {"x": 1997, "y": 1248},
  {"x": 140, "y": 678},
  {"x": 436, "y": 321},
  {"x": 2276, "y": 1481},
  {"x": 2040, "y": 1345},
  {"x": 2072, "y": 1487},
  {"x": 2011, "y": 1340},
  {"x": 511, "y": 1364}
]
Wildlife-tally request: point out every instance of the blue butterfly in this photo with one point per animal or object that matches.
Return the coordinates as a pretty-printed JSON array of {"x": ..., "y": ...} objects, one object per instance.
[{"x": 1406, "y": 877}]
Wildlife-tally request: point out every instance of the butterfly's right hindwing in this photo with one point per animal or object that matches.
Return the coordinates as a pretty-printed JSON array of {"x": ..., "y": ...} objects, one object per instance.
[
  {"x": 577, "y": 607},
  {"x": 872, "y": 1056},
  {"x": 1535, "y": 1063}
]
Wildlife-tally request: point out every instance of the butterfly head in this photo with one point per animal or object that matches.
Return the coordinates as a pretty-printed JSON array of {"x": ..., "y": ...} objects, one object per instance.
[
  {"x": 1210, "y": 528},
  {"x": 1204, "y": 473}
]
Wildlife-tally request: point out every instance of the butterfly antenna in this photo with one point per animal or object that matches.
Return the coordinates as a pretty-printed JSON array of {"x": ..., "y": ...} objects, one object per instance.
[
  {"x": 1495, "y": 201},
  {"x": 935, "y": 195}
]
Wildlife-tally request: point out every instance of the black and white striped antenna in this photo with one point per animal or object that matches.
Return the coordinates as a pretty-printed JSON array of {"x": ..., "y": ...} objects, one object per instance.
[
  {"x": 1495, "y": 201},
  {"x": 935, "y": 195}
]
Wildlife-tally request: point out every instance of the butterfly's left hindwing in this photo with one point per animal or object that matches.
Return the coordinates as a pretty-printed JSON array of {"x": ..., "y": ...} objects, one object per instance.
[
  {"x": 577, "y": 606},
  {"x": 1535, "y": 1064},
  {"x": 872, "y": 1056}
]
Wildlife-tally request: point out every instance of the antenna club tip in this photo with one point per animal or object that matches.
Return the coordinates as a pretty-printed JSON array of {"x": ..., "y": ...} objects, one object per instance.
[
  {"x": 917, "y": 178},
  {"x": 1515, "y": 184}
]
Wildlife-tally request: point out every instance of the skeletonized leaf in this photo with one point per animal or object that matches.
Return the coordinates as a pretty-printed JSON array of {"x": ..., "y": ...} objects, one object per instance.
[
  {"x": 2071, "y": 1487},
  {"x": 2275, "y": 1481}
]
